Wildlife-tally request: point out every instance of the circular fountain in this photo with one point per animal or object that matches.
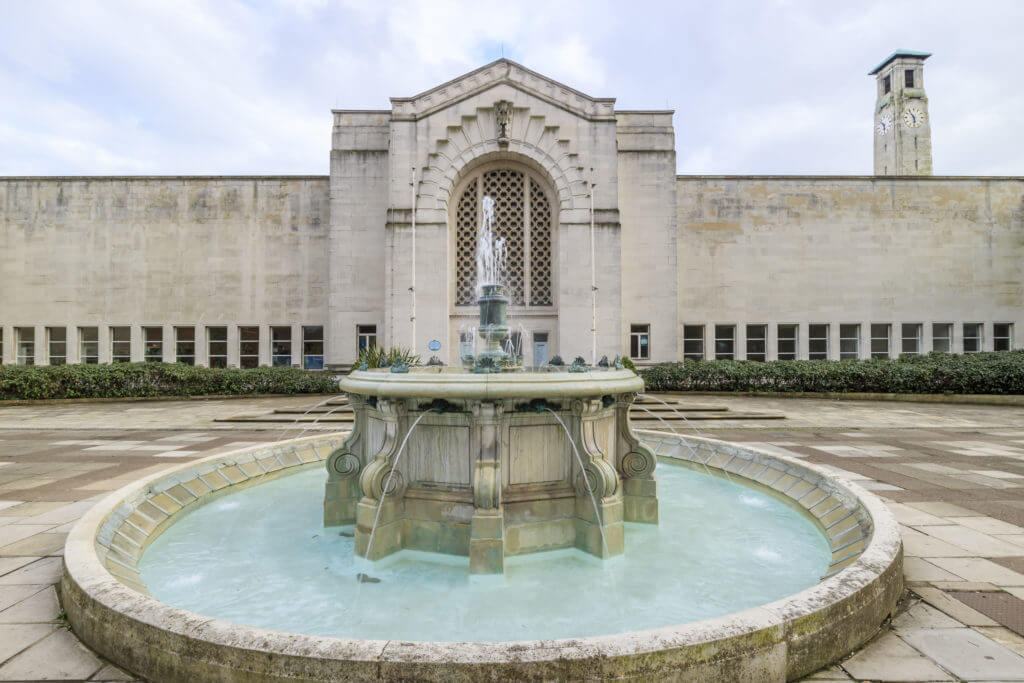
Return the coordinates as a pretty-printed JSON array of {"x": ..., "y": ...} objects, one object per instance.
[{"x": 730, "y": 564}]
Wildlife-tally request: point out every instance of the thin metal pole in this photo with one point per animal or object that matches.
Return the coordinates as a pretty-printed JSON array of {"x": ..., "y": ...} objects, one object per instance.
[
  {"x": 593, "y": 280},
  {"x": 412, "y": 289}
]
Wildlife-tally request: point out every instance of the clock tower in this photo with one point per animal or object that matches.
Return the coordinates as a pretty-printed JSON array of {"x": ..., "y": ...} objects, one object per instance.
[{"x": 903, "y": 131}]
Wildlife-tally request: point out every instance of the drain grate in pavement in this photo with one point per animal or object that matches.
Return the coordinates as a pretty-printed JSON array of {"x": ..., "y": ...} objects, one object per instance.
[{"x": 1003, "y": 607}]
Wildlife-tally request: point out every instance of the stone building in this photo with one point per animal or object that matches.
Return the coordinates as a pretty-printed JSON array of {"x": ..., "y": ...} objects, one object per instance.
[{"x": 610, "y": 251}]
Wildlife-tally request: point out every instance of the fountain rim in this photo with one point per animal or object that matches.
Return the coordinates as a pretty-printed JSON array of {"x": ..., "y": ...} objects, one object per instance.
[
  {"x": 862, "y": 591},
  {"x": 458, "y": 384}
]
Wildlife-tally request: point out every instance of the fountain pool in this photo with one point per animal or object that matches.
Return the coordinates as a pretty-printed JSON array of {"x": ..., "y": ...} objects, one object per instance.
[{"x": 747, "y": 549}]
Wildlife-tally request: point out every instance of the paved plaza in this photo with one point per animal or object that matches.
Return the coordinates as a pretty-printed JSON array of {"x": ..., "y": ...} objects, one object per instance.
[{"x": 953, "y": 475}]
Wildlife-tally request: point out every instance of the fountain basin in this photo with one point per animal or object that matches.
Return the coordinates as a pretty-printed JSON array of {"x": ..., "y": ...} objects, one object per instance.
[
  {"x": 110, "y": 609},
  {"x": 490, "y": 465}
]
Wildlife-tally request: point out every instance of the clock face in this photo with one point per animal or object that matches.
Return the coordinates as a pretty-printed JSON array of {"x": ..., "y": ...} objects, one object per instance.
[
  {"x": 913, "y": 117},
  {"x": 883, "y": 125}
]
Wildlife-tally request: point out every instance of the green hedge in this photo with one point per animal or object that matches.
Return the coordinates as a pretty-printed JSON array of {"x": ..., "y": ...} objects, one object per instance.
[
  {"x": 132, "y": 380},
  {"x": 935, "y": 373}
]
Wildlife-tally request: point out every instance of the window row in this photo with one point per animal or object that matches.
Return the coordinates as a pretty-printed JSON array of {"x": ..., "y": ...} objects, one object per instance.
[
  {"x": 880, "y": 342},
  {"x": 53, "y": 348}
]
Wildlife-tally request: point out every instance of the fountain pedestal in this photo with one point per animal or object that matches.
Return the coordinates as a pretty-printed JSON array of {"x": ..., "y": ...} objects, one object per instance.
[{"x": 489, "y": 471}]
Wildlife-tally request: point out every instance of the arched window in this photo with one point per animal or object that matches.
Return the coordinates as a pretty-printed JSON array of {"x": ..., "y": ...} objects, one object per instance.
[{"x": 522, "y": 217}]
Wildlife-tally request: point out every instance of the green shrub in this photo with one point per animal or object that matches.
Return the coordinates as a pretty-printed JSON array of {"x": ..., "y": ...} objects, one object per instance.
[
  {"x": 132, "y": 380},
  {"x": 379, "y": 356},
  {"x": 935, "y": 373}
]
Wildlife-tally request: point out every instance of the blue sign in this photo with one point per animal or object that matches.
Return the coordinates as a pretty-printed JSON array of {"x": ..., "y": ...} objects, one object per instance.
[{"x": 434, "y": 345}]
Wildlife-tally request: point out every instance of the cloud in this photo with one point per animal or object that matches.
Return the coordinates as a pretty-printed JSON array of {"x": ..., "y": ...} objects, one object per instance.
[{"x": 245, "y": 86}]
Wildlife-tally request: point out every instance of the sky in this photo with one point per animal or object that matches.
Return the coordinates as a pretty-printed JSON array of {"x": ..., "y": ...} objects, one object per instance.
[{"x": 139, "y": 87}]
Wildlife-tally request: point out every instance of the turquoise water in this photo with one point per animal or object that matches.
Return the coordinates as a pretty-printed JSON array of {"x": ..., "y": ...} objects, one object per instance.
[{"x": 262, "y": 557}]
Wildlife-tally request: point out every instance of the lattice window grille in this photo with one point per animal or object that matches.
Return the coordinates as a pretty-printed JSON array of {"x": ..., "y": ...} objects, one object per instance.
[
  {"x": 522, "y": 217},
  {"x": 466, "y": 220},
  {"x": 540, "y": 247}
]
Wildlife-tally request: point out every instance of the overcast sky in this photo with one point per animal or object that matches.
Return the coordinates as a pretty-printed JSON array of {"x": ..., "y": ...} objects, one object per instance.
[{"x": 239, "y": 87}]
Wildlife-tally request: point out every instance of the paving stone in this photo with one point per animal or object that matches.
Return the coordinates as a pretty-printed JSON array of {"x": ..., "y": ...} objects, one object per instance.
[
  {"x": 9, "y": 564},
  {"x": 51, "y": 544},
  {"x": 917, "y": 544},
  {"x": 969, "y": 539},
  {"x": 46, "y": 570},
  {"x": 953, "y": 607},
  {"x": 989, "y": 525},
  {"x": 1004, "y": 637},
  {"x": 12, "y": 533},
  {"x": 112, "y": 673},
  {"x": 968, "y": 654},
  {"x": 966, "y": 586},
  {"x": 979, "y": 569},
  {"x": 910, "y": 516},
  {"x": 59, "y": 656},
  {"x": 918, "y": 569},
  {"x": 832, "y": 673},
  {"x": 61, "y": 515},
  {"x": 41, "y": 607},
  {"x": 888, "y": 658},
  {"x": 14, "y": 639},
  {"x": 1004, "y": 608},
  {"x": 943, "y": 509},
  {"x": 923, "y": 615},
  {"x": 31, "y": 509},
  {"x": 11, "y": 595}
]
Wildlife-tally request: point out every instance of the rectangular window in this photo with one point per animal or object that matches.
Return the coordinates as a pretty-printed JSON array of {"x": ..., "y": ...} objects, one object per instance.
[
  {"x": 89, "y": 345},
  {"x": 281, "y": 346},
  {"x": 757, "y": 340},
  {"x": 185, "y": 345},
  {"x": 25, "y": 345},
  {"x": 1002, "y": 336},
  {"x": 725, "y": 342},
  {"x": 849, "y": 341},
  {"x": 217, "y": 347},
  {"x": 908, "y": 78},
  {"x": 886, "y": 84},
  {"x": 249, "y": 346},
  {"x": 880, "y": 336},
  {"x": 942, "y": 337},
  {"x": 972, "y": 337},
  {"x": 153, "y": 344},
  {"x": 57, "y": 345},
  {"x": 366, "y": 338},
  {"x": 788, "y": 341},
  {"x": 640, "y": 342},
  {"x": 693, "y": 342},
  {"x": 911, "y": 338},
  {"x": 817, "y": 341},
  {"x": 120, "y": 344},
  {"x": 313, "y": 347}
]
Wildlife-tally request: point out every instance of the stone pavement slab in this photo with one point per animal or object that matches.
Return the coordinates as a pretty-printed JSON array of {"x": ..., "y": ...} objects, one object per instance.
[
  {"x": 58, "y": 657},
  {"x": 889, "y": 658},
  {"x": 968, "y": 654}
]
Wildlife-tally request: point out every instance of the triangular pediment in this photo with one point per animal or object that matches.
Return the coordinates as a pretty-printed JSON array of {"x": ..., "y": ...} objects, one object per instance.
[{"x": 502, "y": 72}]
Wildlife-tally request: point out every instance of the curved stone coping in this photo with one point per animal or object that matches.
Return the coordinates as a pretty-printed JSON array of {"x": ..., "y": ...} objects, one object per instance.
[
  {"x": 450, "y": 383},
  {"x": 109, "y": 609}
]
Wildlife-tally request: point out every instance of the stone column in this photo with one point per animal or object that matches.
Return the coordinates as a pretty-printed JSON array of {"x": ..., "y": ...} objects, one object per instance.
[{"x": 487, "y": 527}]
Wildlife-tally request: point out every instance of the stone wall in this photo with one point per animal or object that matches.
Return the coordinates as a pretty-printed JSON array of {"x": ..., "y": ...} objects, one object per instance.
[
  {"x": 162, "y": 251},
  {"x": 858, "y": 249}
]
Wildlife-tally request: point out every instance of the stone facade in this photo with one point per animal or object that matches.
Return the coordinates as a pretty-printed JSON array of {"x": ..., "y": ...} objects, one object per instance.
[{"x": 372, "y": 246}]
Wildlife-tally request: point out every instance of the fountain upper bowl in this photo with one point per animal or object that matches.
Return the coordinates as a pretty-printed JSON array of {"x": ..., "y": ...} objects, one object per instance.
[{"x": 455, "y": 383}]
